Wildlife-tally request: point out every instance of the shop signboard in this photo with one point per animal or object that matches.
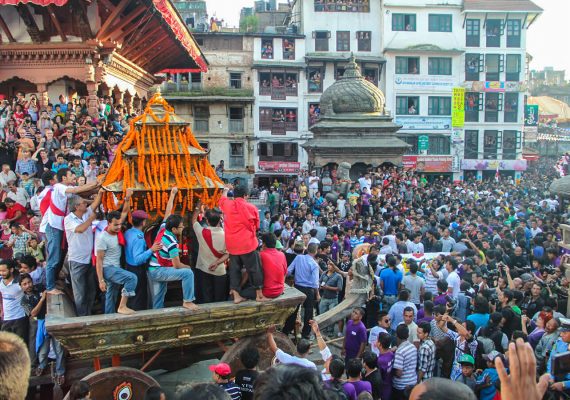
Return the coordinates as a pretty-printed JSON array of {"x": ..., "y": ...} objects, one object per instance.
[
  {"x": 420, "y": 82},
  {"x": 531, "y": 115},
  {"x": 280, "y": 166},
  {"x": 493, "y": 165},
  {"x": 494, "y": 86},
  {"x": 423, "y": 143},
  {"x": 428, "y": 163},
  {"x": 424, "y": 123},
  {"x": 458, "y": 107}
]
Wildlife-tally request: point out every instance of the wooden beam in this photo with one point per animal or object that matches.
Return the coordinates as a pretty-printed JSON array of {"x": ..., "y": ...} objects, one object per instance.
[
  {"x": 150, "y": 35},
  {"x": 6, "y": 30},
  {"x": 150, "y": 48},
  {"x": 123, "y": 24},
  {"x": 161, "y": 59},
  {"x": 111, "y": 19},
  {"x": 51, "y": 12},
  {"x": 132, "y": 29},
  {"x": 29, "y": 21},
  {"x": 84, "y": 26}
]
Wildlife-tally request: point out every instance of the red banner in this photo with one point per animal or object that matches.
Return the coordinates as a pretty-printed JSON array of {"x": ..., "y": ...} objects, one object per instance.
[
  {"x": 280, "y": 166},
  {"x": 428, "y": 163}
]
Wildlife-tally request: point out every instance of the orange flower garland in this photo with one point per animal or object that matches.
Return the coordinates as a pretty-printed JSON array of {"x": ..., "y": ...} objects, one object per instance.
[{"x": 162, "y": 159}]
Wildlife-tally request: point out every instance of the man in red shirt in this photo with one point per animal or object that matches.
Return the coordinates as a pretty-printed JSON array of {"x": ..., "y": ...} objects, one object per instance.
[
  {"x": 274, "y": 267},
  {"x": 241, "y": 222},
  {"x": 15, "y": 212}
]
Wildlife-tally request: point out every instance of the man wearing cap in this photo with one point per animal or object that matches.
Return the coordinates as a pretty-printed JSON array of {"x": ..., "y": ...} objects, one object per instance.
[
  {"x": 562, "y": 345},
  {"x": 137, "y": 255},
  {"x": 221, "y": 374},
  {"x": 79, "y": 236}
]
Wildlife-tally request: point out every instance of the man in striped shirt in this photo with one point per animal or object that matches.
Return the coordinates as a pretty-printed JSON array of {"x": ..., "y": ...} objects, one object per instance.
[
  {"x": 405, "y": 363},
  {"x": 221, "y": 375},
  {"x": 426, "y": 354}
]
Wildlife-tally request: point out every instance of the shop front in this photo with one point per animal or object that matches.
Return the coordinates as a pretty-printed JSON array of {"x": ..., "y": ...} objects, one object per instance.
[
  {"x": 282, "y": 171},
  {"x": 491, "y": 169}
]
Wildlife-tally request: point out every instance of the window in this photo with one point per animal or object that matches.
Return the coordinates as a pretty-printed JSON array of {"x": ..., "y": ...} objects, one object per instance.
[
  {"x": 490, "y": 144},
  {"x": 288, "y": 49},
  {"x": 341, "y": 6},
  {"x": 471, "y": 150},
  {"x": 342, "y": 41},
  {"x": 236, "y": 155},
  {"x": 206, "y": 147},
  {"x": 493, "y": 66},
  {"x": 472, "y": 32},
  {"x": 412, "y": 141},
  {"x": 314, "y": 113},
  {"x": 493, "y": 104},
  {"x": 439, "y": 66},
  {"x": 338, "y": 72},
  {"x": 473, "y": 66},
  {"x": 277, "y": 151},
  {"x": 407, "y": 105},
  {"x": 321, "y": 40},
  {"x": 236, "y": 119},
  {"x": 201, "y": 118},
  {"x": 364, "y": 43},
  {"x": 235, "y": 80},
  {"x": 404, "y": 22},
  {"x": 278, "y": 84},
  {"x": 511, "y": 142},
  {"x": 513, "y": 33},
  {"x": 439, "y": 105},
  {"x": 407, "y": 65},
  {"x": 513, "y": 67},
  {"x": 473, "y": 104},
  {"x": 494, "y": 30},
  {"x": 195, "y": 81},
  {"x": 371, "y": 75},
  {"x": 511, "y": 107},
  {"x": 267, "y": 49},
  {"x": 278, "y": 120},
  {"x": 439, "y": 145},
  {"x": 439, "y": 23},
  {"x": 315, "y": 79}
]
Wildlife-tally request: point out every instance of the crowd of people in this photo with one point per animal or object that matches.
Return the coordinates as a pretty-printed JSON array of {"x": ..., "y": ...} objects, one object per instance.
[{"x": 459, "y": 270}]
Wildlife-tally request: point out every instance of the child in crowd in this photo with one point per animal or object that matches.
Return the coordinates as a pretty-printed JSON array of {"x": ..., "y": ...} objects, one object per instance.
[
  {"x": 221, "y": 374},
  {"x": 27, "y": 184},
  {"x": 246, "y": 377},
  {"x": 489, "y": 377},
  {"x": 59, "y": 163},
  {"x": 467, "y": 371}
]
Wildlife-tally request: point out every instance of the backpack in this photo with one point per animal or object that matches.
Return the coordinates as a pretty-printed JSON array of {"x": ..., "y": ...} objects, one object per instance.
[
  {"x": 486, "y": 343},
  {"x": 338, "y": 389}
]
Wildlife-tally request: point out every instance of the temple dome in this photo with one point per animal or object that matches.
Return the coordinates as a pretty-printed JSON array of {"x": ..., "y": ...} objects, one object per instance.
[{"x": 352, "y": 94}]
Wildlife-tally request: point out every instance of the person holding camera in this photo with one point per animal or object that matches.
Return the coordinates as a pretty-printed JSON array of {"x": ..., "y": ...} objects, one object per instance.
[{"x": 560, "y": 376}]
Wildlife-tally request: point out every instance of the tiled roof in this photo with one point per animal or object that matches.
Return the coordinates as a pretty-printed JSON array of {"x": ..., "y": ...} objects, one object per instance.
[{"x": 501, "y": 5}]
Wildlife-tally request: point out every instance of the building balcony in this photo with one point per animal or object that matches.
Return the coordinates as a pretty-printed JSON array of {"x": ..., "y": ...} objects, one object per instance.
[
  {"x": 196, "y": 90},
  {"x": 236, "y": 125}
]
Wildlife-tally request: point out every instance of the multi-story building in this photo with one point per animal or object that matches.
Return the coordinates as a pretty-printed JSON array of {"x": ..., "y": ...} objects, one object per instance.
[
  {"x": 423, "y": 45},
  {"x": 494, "y": 73},
  {"x": 194, "y": 14},
  {"x": 220, "y": 102}
]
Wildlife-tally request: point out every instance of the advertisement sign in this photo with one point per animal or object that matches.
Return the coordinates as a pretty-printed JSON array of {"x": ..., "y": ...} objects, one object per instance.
[
  {"x": 494, "y": 86},
  {"x": 428, "y": 163},
  {"x": 531, "y": 115},
  {"x": 492, "y": 165},
  {"x": 423, "y": 143},
  {"x": 458, "y": 107},
  {"x": 424, "y": 123},
  {"x": 280, "y": 166},
  {"x": 420, "y": 82}
]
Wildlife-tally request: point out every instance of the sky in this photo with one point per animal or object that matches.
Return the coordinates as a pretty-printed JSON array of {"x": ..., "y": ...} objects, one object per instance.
[{"x": 546, "y": 40}]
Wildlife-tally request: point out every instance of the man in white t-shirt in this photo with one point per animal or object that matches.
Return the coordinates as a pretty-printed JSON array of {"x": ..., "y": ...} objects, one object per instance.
[
  {"x": 313, "y": 184},
  {"x": 14, "y": 318},
  {"x": 60, "y": 194},
  {"x": 453, "y": 280},
  {"x": 365, "y": 181},
  {"x": 303, "y": 347},
  {"x": 79, "y": 233}
]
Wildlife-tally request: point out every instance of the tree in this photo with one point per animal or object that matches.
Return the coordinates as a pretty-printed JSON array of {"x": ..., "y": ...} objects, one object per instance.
[{"x": 249, "y": 24}]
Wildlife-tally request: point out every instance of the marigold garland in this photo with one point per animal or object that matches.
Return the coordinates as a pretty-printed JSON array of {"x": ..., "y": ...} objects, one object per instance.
[{"x": 162, "y": 160}]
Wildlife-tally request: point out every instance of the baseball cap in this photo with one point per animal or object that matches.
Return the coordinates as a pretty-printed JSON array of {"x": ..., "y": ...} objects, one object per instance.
[
  {"x": 221, "y": 369},
  {"x": 139, "y": 214},
  {"x": 466, "y": 359},
  {"x": 564, "y": 325}
]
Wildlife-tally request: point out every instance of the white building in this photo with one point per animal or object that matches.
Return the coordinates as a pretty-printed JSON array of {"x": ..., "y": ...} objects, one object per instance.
[
  {"x": 327, "y": 32},
  {"x": 423, "y": 45},
  {"x": 495, "y": 82}
]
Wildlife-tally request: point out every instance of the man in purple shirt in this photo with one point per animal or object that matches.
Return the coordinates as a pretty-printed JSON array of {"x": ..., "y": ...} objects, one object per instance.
[
  {"x": 365, "y": 201},
  {"x": 355, "y": 337}
]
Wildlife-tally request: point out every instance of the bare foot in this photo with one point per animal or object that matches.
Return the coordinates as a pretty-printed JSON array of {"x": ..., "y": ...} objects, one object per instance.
[
  {"x": 125, "y": 311},
  {"x": 191, "y": 306},
  {"x": 262, "y": 298},
  {"x": 237, "y": 298},
  {"x": 55, "y": 291}
]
